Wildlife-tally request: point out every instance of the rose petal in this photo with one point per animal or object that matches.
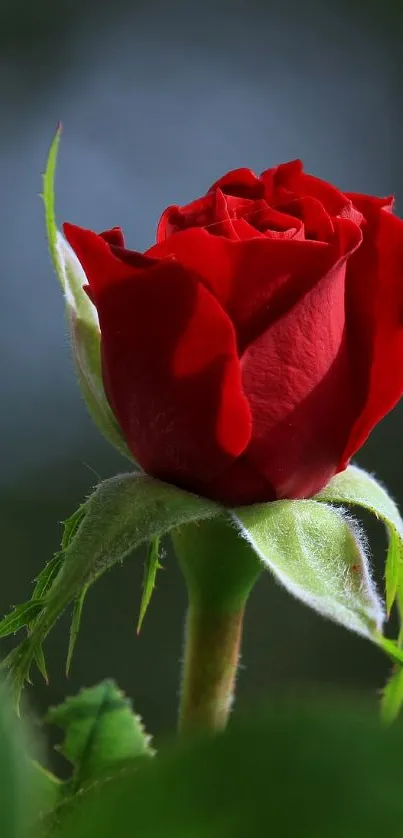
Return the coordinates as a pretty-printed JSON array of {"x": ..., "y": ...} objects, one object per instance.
[
  {"x": 374, "y": 304},
  {"x": 103, "y": 262},
  {"x": 297, "y": 379},
  {"x": 370, "y": 203},
  {"x": 114, "y": 236},
  {"x": 290, "y": 178},
  {"x": 260, "y": 217},
  {"x": 317, "y": 222},
  {"x": 243, "y": 183},
  {"x": 240, "y": 484},
  {"x": 257, "y": 280},
  {"x": 175, "y": 218},
  {"x": 170, "y": 366},
  {"x": 210, "y": 212}
]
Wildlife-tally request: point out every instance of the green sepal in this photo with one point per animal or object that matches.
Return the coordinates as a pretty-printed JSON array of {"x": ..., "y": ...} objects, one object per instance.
[
  {"x": 20, "y": 616},
  {"x": 75, "y": 626},
  {"x": 81, "y": 315},
  {"x": 319, "y": 555},
  {"x": 40, "y": 661},
  {"x": 122, "y": 513},
  {"x": 355, "y": 487},
  {"x": 152, "y": 565},
  {"x": 392, "y": 696},
  {"x": 43, "y": 584},
  {"x": 46, "y": 576}
]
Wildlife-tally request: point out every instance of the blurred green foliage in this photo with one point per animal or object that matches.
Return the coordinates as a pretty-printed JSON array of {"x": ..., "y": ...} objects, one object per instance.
[{"x": 317, "y": 768}]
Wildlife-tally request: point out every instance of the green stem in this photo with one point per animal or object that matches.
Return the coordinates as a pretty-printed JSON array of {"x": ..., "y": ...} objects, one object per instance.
[
  {"x": 220, "y": 570},
  {"x": 212, "y": 648}
]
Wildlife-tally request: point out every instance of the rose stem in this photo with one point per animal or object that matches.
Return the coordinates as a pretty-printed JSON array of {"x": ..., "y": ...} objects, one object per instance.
[
  {"x": 220, "y": 569},
  {"x": 212, "y": 646}
]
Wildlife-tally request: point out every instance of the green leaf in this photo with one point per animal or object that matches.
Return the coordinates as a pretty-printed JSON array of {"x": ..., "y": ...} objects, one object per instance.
[
  {"x": 122, "y": 513},
  {"x": 75, "y": 626},
  {"x": 20, "y": 616},
  {"x": 318, "y": 771},
  {"x": 150, "y": 572},
  {"x": 317, "y": 553},
  {"x": 355, "y": 486},
  {"x": 101, "y": 733}
]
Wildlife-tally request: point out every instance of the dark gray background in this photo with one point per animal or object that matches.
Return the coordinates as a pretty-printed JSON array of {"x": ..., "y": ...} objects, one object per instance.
[{"x": 158, "y": 100}]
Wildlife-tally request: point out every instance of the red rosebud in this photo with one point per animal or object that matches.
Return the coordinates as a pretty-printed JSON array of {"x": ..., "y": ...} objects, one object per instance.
[{"x": 248, "y": 354}]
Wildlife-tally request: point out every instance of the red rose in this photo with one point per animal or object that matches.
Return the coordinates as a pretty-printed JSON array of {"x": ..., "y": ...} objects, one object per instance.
[{"x": 248, "y": 354}]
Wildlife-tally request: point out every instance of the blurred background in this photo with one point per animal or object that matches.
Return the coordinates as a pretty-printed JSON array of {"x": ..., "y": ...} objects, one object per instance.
[{"x": 157, "y": 101}]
